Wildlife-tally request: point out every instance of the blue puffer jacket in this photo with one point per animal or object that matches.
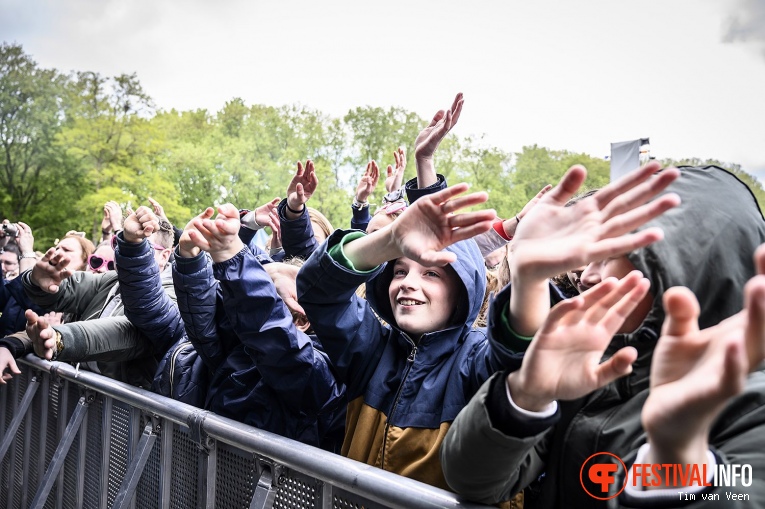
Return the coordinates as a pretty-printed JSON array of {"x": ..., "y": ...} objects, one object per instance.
[
  {"x": 297, "y": 235},
  {"x": 14, "y": 303},
  {"x": 150, "y": 306},
  {"x": 266, "y": 373},
  {"x": 403, "y": 395}
]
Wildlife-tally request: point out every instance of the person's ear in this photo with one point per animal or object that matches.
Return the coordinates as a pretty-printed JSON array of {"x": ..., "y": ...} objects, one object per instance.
[{"x": 165, "y": 256}]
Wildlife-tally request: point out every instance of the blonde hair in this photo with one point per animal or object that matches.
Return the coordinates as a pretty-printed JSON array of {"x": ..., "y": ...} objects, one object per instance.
[
  {"x": 320, "y": 220},
  {"x": 87, "y": 246}
]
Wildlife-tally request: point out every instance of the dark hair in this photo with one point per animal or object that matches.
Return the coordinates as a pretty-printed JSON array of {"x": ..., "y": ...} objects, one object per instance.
[{"x": 12, "y": 247}]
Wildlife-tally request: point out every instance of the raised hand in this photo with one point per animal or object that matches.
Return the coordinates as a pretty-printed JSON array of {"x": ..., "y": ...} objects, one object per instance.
[
  {"x": 368, "y": 182},
  {"x": 396, "y": 176},
  {"x": 695, "y": 372},
  {"x": 41, "y": 334},
  {"x": 187, "y": 248},
  {"x": 54, "y": 318},
  {"x": 112, "y": 220},
  {"x": 218, "y": 237},
  {"x": 427, "y": 141},
  {"x": 510, "y": 225},
  {"x": 268, "y": 215},
  {"x": 302, "y": 186},
  {"x": 8, "y": 366},
  {"x": 140, "y": 225},
  {"x": 563, "y": 360},
  {"x": 158, "y": 209},
  {"x": 430, "y": 225},
  {"x": 51, "y": 269},
  {"x": 284, "y": 277},
  {"x": 554, "y": 238}
]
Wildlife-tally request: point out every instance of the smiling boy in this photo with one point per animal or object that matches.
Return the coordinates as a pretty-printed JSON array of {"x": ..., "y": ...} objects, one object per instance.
[{"x": 405, "y": 381}]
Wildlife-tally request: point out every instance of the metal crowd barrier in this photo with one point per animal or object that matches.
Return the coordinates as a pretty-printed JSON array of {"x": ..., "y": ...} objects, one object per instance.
[{"x": 75, "y": 439}]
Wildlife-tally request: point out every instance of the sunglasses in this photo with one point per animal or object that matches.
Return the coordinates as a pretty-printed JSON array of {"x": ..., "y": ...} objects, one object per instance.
[{"x": 96, "y": 262}]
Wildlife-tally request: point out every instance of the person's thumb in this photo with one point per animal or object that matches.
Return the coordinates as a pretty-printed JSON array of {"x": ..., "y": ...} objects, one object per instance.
[{"x": 682, "y": 312}]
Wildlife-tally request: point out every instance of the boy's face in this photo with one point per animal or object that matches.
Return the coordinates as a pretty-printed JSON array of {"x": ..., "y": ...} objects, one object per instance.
[
  {"x": 422, "y": 298},
  {"x": 619, "y": 267}
]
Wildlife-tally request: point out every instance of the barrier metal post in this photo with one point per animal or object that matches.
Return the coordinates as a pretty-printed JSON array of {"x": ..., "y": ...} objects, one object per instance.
[
  {"x": 135, "y": 469},
  {"x": 61, "y": 451}
]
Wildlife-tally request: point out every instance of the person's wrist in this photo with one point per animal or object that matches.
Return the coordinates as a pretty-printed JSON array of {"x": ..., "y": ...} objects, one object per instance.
[
  {"x": 228, "y": 252},
  {"x": 522, "y": 398},
  {"x": 130, "y": 238},
  {"x": 28, "y": 254},
  {"x": 295, "y": 208}
]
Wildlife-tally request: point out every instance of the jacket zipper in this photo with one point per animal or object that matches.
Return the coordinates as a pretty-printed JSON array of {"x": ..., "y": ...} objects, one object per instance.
[
  {"x": 177, "y": 352},
  {"x": 409, "y": 364}
]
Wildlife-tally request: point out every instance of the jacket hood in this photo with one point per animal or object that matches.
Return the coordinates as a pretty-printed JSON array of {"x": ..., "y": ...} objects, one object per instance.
[
  {"x": 709, "y": 241},
  {"x": 472, "y": 275}
]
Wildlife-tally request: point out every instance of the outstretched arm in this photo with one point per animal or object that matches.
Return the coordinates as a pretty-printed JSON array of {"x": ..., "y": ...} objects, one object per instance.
[
  {"x": 553, "y": 238},
  {"x": 427, "y": 141},
  {"x": 423, "y": 230}
]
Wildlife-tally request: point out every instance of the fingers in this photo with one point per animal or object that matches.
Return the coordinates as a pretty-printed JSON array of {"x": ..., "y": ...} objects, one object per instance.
[
  {"x": 437, "y": 258},
  {"x": 759, "y": 259},
  {"x": 754, "y": 334},
  {"x": 622, "y": 302},
  {"x": 437, "y": 118},
  {"x": 543, "y": 191},
  {"x": 457, "y": 109},
  {"x": 300, "y": 170},
  {"x": 229, "y": 211},
  {"x": 445, "y": 194},
  {"x": 568, "y": 185},
  {"x": 682, "y": 312},
  {"x": 633, "y": 180},
  {"x": 462, "y": 202},
  {"x": 468, "y": 218},
  {"x": 608, "y": 248},
  {"x": 468, "y": 232},
  {"x": 375, "y": 173},
  {"x": 641, "y": 193},
  {"x": 619, "y": 365},
  {"x": 629, "y": 221},
  {"x": 31, "y": 317},
  {"x": 390, "y": 171}
]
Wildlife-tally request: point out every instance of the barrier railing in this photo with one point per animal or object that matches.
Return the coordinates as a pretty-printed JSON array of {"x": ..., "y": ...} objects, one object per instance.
[{"x": 75, "y": 439}]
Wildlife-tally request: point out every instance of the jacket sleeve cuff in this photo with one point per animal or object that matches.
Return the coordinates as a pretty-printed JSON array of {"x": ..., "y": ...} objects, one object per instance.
[
  {"x": 337, "y": 253},
  {"x": 131, "y": 249},
  {"x": 190, "y": 266},
  {"x": 512, "y": 420},
  {"x": 413, "y": 192},
  {"x": 14, "y": 345}
]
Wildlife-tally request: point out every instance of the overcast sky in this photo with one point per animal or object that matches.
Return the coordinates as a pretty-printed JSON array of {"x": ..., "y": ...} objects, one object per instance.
[{"x": 574, "y": 75}]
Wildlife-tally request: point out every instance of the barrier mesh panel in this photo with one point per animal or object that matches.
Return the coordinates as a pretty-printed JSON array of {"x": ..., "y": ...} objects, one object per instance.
[
  {"x": 72, "y": 461},
  {"x": 298, "y": 492},
  {"x": 18, "y": 467},
  {"x": 119, "y": 444},
  {"x": 6, "y": 406},
  {"x": 342, "y": 499},
  {"x": 93, "y": 447},
  {"x": 147, "y": 491},
  {"x": 235, "y": 479},
  {"x": 36, "y": 442},
  {"x": 184, "y": 468},
  {"x": 51, "y": 435}
]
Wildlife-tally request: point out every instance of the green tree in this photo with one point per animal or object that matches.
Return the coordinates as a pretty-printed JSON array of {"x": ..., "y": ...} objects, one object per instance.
[
  {"x": 33, "y": 173},
  {"x": 112, "y": 140}
]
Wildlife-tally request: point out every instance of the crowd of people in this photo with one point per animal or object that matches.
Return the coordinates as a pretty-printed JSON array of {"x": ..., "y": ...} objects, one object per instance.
[{"x": 491, "y": 357}]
